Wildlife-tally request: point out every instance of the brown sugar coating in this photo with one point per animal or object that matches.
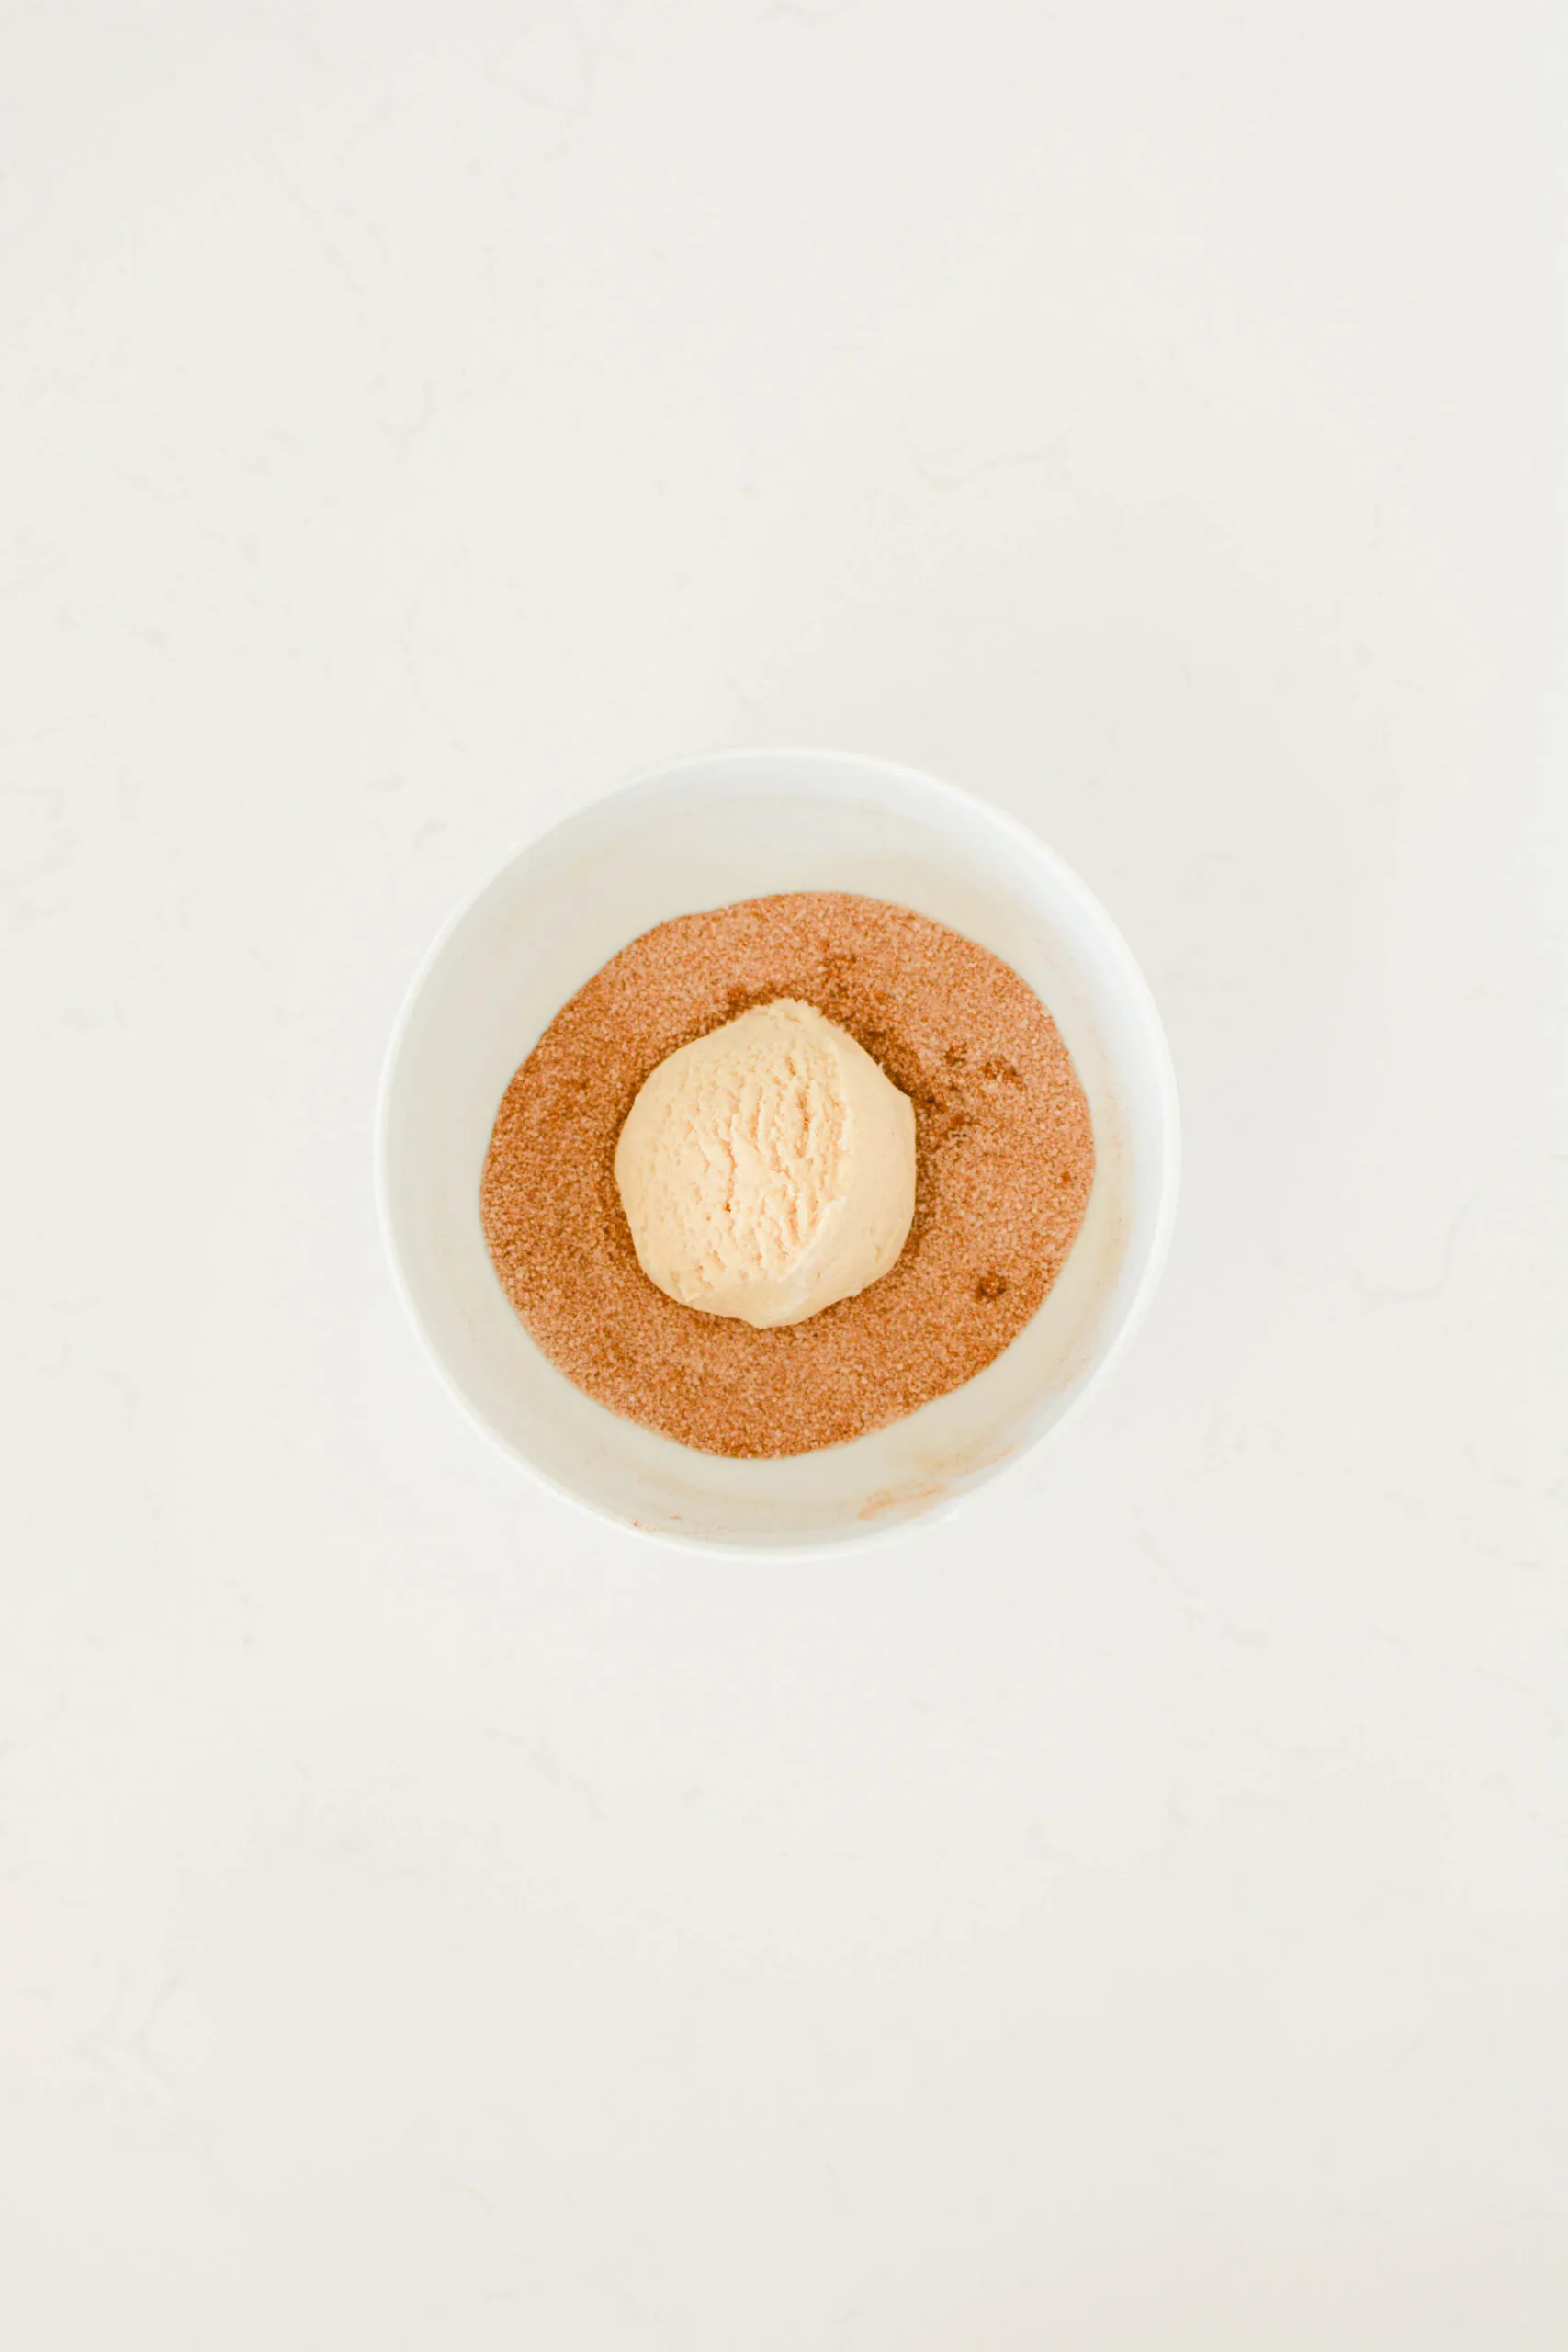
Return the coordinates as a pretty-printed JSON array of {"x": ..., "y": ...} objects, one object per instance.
[{"x": 1006, "y": 1159}]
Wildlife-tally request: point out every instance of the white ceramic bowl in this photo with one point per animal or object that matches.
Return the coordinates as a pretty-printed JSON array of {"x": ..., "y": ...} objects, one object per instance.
[{"x": 741, "y": 825}]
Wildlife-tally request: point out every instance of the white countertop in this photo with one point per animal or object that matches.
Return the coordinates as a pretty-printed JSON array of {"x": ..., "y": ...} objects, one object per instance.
[{"x": 1134, "y": 1917}]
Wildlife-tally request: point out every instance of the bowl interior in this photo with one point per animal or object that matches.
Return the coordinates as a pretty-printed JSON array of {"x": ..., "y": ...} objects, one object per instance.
[{"x": 714, "y": 831}]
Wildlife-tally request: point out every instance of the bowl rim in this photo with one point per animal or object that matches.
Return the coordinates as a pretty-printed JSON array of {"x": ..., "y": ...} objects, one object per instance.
[{"x": 646, "y": 785}]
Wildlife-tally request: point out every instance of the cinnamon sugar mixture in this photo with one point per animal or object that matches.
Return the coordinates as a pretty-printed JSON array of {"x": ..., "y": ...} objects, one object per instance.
[{"x": 1006, "y": 1159}]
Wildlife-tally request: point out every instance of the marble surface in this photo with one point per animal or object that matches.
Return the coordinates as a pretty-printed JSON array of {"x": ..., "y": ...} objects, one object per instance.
[{"x": 1133, "y": 1919}]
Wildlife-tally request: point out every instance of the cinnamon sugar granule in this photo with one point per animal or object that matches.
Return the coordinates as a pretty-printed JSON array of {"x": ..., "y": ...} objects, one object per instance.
[{"x": 1006, "y": 1159}]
